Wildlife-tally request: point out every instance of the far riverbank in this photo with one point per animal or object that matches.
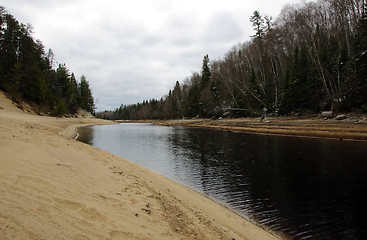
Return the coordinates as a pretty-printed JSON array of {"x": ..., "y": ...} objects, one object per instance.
[{"x": 351, "y": 128}]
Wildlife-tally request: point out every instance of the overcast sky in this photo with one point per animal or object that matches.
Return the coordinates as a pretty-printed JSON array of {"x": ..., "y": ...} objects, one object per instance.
[{"x": 135, "y": 50}]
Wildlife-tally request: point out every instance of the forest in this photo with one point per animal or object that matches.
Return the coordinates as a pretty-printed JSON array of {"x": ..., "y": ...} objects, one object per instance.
[
  {"x": 27, "y": 73},
  {"x": 311, "y": 58}
]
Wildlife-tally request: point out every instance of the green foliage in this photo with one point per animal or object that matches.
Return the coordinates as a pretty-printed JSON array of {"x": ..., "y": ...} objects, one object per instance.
[
  {"x": 194, "y": 107},
  {"x": 205, "y": 72},
  {"x": 26, "y": 72},
  {"x": 86, "y": 100},
  {"x": 59, "y": 109},
  {"x": 298, "y": 87}
]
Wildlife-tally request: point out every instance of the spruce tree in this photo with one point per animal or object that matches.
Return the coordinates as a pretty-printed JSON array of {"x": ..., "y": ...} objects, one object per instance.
[
  {"x": 27, "y": 74},
  {"x": 258, "y": 23},
  {"x": 205, "y": 71},
  {"x": 86, "y": 99}
]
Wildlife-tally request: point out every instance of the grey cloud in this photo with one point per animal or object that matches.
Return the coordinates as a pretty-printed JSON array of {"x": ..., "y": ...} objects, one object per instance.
[
  {"x": 132, "y": 51},
  {"x": 222, "y": 28}
]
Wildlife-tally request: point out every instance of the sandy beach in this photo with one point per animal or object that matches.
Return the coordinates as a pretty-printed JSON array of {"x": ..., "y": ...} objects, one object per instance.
[
  {"x": 54, "y": 187},
  {"x": 352, "y": 128}
]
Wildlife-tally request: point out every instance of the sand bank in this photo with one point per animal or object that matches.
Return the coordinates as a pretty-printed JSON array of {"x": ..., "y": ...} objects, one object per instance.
[
  {"x": 54, "y": 187},
  {"x": 351, "y": 128}
]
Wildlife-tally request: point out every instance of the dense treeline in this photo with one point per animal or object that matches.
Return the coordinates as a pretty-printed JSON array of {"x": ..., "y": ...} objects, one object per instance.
[
  {"x": 27, "y": 73},
  {"x": 312, "y": 58}
]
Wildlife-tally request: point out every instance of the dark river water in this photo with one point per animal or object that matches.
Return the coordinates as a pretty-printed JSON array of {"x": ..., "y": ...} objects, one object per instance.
[{"x": 302, "y": 188}]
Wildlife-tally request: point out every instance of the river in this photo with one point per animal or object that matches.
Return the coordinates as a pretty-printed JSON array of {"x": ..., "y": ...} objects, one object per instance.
[{"x": 303, "y": 188}]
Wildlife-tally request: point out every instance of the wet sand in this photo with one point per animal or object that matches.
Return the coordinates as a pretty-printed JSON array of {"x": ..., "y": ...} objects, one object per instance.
[
  {"x": 352, "y": 128},
  {"x": 54, "y": 187}
]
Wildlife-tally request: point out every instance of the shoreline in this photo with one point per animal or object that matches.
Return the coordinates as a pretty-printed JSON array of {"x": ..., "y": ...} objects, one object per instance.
[
  {"x": 55, "y": 187},
  {"x": 275, "y": 234},
  {"x": 348, "y": 130}
]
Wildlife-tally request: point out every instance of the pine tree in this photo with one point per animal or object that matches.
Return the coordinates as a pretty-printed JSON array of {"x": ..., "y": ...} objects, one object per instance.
[
  {"x": 205, "y": 72},
  {"x": 8, "y": 52},
  {"x": 298, "y": 87},
  {"x": 26, "y": 72},
  {"x": 206, "y": 96},
  {"x": 258, "y": 24},
  {"x": 193, "y": 105},
  {"x": 72, "y": 95},
  {"x": 86, "y": 100}
]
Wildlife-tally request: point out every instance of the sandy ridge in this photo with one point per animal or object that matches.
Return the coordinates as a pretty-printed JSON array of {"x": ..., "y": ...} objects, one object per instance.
[
  {"x": 53, "y": 187},
  {"x": 349, "y": 129}
]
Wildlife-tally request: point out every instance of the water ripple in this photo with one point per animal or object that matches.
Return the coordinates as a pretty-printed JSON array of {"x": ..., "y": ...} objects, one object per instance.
[{"x": 303, "y": 188}]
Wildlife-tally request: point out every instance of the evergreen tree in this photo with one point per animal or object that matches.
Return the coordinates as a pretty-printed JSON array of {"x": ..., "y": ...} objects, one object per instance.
[
  {"x": 298, "y": 87},
  {"x": 254, "y": 97},
  {"x": 62, "y": 80},
  {"x": 27, "y": 74},
  {"x": 258, "y": 23},
  {"x": 193, "y": 104},
  {"x": 72, "y": 95},
  {"x": 9, "y": 55},
  {"x": 32, "y": 85},
  {"x": 206, "y": 107},
  {"x": 205, "y": 72},
  {"x": 176, "y": 101},
  {"x": 86, "y": 100}
]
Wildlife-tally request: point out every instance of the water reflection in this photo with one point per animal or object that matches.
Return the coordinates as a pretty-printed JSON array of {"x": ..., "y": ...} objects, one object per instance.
[
  {"x": 86, "y": 135},
  {"x": 305, "y": 188}
]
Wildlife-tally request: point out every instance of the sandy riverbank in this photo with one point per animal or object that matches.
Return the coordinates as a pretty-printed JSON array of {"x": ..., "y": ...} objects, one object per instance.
[
  {"x": 352, "y": 128},
  {"x": 53, "y": 187}
]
